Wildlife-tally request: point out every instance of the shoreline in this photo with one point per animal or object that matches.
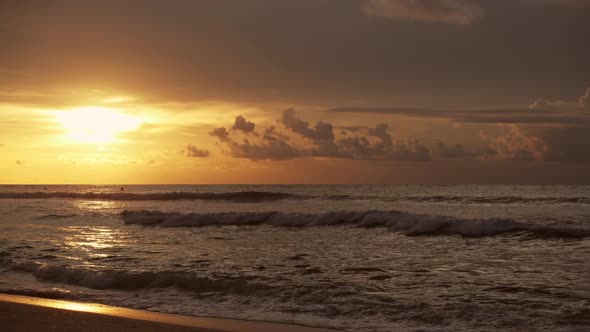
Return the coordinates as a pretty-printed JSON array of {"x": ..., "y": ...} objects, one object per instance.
[{"x": 25, "y": 313}]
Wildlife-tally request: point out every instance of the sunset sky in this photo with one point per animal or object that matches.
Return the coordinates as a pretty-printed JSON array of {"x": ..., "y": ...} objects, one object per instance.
[{"x": 305, "y": 91}]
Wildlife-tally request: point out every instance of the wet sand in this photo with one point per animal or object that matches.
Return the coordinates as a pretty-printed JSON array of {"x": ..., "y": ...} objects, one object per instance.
[{"x": 22, "y": 313}]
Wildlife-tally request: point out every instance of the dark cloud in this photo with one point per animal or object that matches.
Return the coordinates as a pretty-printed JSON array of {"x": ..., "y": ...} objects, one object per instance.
[
  {"x": 221, "y": 133},
  {"x": 545, "y": 105},
  {"x": 564, "y": 106},
  {"x": 271, "y": 134},
  {"x": 385, "y": 148},
  {"x": 550, "y": 144},
  {"x": 275, "y": 145},
  {"x": 359, "y": 147},
  {"x": 353, "y": 129},
  {"x": 179, "y": 50},
  {"x": 194, "y": 152},
  {"x": 454, "y": 151},
  {"x": 409, "y": 150},
  {"x": 243, "y": 125},
  {"x": 547, "y": 130},
  {"x": 380, "y": 131},
  {"x": 322, "y": 134},
  {"x": 268, "y": 150},
  {"x": 322, "y": 131},
  {"x": 271, "y": 146},
  {"x": 516, "y": 145},
  {"x": 446, "y": 11},
  {"x": 540, "y": 112},
  {"x": 566, "y": 142}
]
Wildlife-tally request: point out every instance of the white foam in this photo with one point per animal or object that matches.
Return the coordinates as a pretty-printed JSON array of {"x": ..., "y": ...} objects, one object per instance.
[{"x": 407, "y": 223}]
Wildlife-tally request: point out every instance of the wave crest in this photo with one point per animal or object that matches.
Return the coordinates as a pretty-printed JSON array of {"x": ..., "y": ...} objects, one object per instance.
[
  {"x": 497, "y": 199},
  {"x": 129, "y": 280},
  {"x": 238, "y": 196},
  {"x": 407, "y": 223},
  {"x": 262, "y": 196}
]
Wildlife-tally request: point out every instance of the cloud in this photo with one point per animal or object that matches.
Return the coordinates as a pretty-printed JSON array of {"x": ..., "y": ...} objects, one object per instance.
[
  {"x": 353, "y": 129},
  {"x": 443, "y": 11},
  {"x": 320, "y": 141},
  {"x": 243, "y": 125},
  {"x": 271, "y": 146},
  {"x": 582, "y": 103},
  {"x": 531, "y": 115},
  {"x": 551, "y": 131},
  {"x": 194, "y": 152},
  {"x": 516, "y": 145},
  {"x": 564, "y": 141},
  {"x": 454, "y": 151},
  {"x": 358, "y": 147},
  {"x": 322, "y": 131},
  {"x": 380, "y": 131},
  {"x": 221, "y": 133},
  {"x": 409, "y": 150},
  {"x": 550, "y": 144},
  {"x": 541, "y": 112},
  {"x": 277, "y": 149}
]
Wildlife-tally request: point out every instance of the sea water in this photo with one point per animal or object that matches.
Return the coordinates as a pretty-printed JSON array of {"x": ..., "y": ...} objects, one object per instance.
[{"x": 358, "y": 258}]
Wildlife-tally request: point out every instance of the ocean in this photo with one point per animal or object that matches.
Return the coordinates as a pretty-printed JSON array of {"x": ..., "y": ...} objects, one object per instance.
[{"x": 357, "y": 258}]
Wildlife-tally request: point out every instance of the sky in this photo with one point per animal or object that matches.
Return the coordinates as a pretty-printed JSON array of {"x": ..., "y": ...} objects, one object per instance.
[{"x": 306, "y": 91}]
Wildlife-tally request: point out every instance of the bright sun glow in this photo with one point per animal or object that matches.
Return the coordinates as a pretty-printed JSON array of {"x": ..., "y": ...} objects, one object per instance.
[{"x": 96, "y": 125}]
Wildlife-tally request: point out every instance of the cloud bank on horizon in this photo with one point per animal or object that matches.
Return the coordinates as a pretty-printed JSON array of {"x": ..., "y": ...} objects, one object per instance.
[{"x": 562, "y": 133}]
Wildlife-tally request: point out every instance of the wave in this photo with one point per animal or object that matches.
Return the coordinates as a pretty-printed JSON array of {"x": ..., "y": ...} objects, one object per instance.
[
  {"x": 407, "y": 223},
  {"x": 465, "y": 199},
  {"x": 130, "y": 280},
  {"x": 56, "y": 216},
  {"x": 54, "y": 294},
  {"x": 238, "y": 196},
  {"x": 263, "y": 196},
  {"x": 497, "y": 199}
]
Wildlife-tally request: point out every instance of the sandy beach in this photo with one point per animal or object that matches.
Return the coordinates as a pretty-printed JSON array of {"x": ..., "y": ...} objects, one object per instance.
[{"x": 22, "y": 313}]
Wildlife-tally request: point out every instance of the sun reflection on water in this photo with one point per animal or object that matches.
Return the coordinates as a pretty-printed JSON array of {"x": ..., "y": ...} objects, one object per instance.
[
  {"x": 97, "y": 206},
  {"x": 92, "y": 237}
]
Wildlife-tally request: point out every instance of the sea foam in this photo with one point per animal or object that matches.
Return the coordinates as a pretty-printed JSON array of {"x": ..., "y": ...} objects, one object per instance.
[
  {"x": 132, "y": 280},
  {"x": 407, "y": 223}
]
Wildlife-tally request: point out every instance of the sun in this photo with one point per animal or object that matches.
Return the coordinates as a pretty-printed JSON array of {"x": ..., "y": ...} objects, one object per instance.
[{"x": 96, "y": 125}]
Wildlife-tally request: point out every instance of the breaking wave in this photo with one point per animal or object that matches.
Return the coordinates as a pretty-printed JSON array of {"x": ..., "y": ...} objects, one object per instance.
[
  {"x": 130, "y": 280},
  {"x": 466, "y": 199},
  {"x": 56, "y": 216},
  {"x": 263, "y": 196},
  {"x": 407, "y": 223},
  {"x": 498, "y": 199},
  {"x": 238, "y": 196}
]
